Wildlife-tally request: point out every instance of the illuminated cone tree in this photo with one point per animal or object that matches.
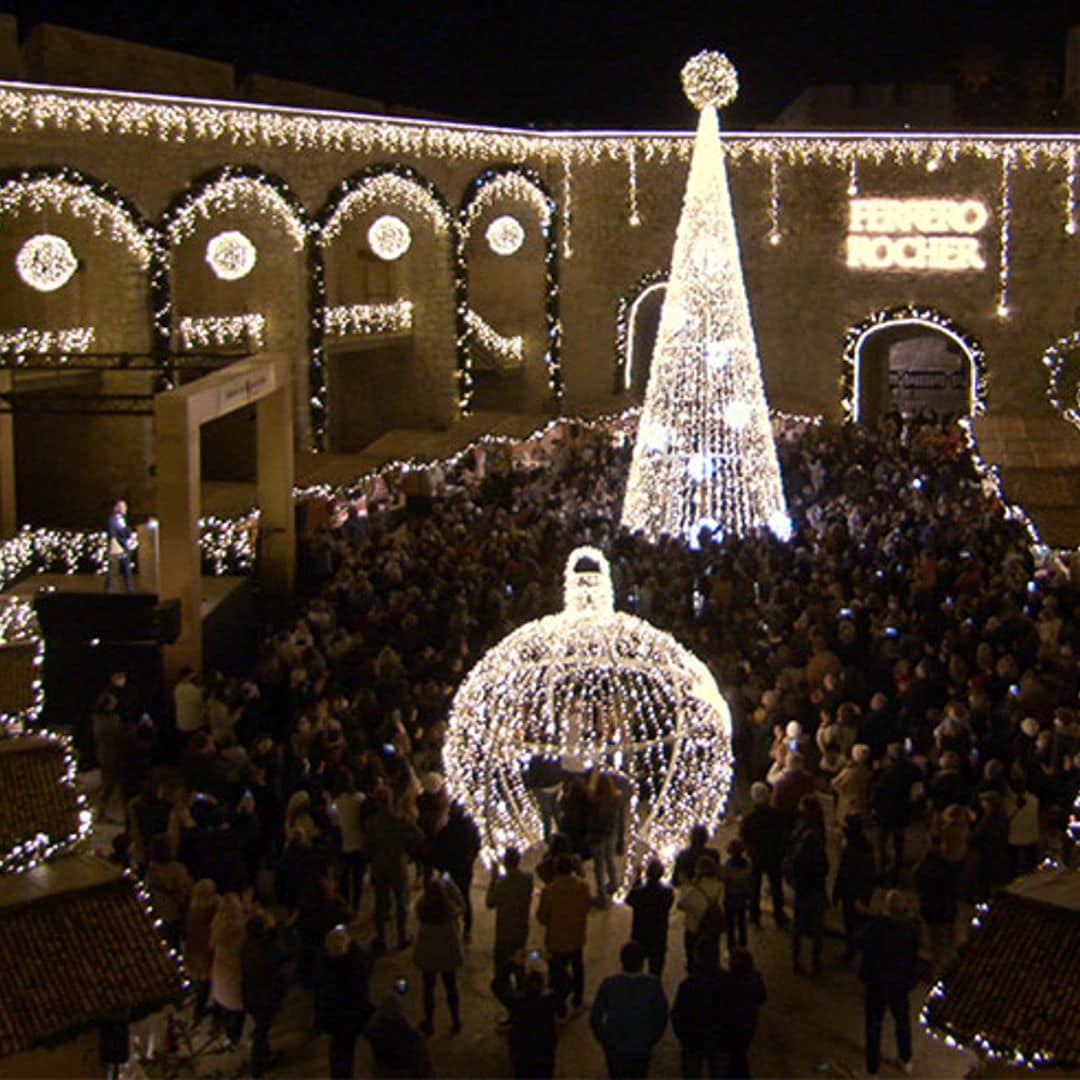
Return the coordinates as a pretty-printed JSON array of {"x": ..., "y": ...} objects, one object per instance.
[{"x": 704, "y": 456}]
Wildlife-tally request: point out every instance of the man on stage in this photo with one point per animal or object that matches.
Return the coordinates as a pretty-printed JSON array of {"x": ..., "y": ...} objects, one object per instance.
[{"x": 120, "y": 540}]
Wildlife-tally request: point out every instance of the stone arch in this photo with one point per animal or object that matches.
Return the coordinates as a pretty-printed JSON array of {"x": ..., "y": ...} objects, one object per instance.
[
  {"x": 249, "y": 192},
  {"x": 909, "y": 315},
  {"x": 425, "y": 295},
  {"x": 509, "y": 184}
]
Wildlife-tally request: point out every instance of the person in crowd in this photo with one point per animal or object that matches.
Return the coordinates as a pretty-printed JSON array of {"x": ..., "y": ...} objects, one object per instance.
[
  {"x": 188, "y": 703},
  {"x": 891, "y": 799},
  {"x": 793, "y": 783},
  {"x": 685, "y": 869},
  {"x": 200, "y": 915},
  {"x": 890, "y": 952},
  {"x": 737, "y": 875},
  {"x": 704, "y": 1002},
  {"x": 169, "y": 884},
  {"x": 342, "y": 997},
  {"x": 856, "y": 875},
  {"x": 227, "y": 931},
  {"x": 391, "y": 839},
  {"x": 702, "y": 903},
  {"x": 807, "y": 868},
  {"x": 457, "y": 845},
  {"x": 543, "y": 778},
  {"x": 509, "y": 895},
  {"x": 629, "y": 1014},
  {"x": 111, "y": 737},
  {"x": 937, "y": 883},
  {"x": 120, "y": 539},
  {"x": 747, "y": 997},
  {"x": 399, "y": 1050},
  {"x": 601, "y": 833},
  {"x": 852, "y": 785},
  {"x": 762, "y": 831},
  {"x": 265, "y": 967},
  {"x": 438, "y": 950},
  {"x": 990, "y": 846},
  {"x": 1023, "y": 827},
  {"x": 563, "y": 911},
  {"x": 650, "y": 904},
  {"x": 534, "y": 1034}
]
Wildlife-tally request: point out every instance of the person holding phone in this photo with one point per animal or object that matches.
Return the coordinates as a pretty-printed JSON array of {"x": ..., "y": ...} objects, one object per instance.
[{"x": 439, "y": 951}]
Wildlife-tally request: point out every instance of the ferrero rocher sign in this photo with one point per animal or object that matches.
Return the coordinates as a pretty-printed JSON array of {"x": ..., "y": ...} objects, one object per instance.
[{"x": 916, "y": 234}]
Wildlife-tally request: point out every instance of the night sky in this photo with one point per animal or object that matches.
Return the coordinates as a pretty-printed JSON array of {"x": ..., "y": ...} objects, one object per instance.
[{"x": 558, "y": 63}]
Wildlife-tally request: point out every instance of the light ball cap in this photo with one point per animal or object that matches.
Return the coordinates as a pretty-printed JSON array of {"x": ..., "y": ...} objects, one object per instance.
[{"x": 709, "y": 78}]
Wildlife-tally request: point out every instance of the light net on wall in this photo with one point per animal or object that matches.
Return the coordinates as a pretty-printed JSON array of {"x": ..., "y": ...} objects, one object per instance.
[{"x": 601, "y": 688}]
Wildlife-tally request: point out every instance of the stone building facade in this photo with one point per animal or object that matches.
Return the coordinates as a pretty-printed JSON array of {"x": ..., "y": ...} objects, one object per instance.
[{"x": 138, "y": 185}]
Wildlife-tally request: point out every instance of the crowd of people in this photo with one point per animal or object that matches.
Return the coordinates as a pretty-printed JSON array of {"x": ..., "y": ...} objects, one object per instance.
[{"x": 904, "y": 659}]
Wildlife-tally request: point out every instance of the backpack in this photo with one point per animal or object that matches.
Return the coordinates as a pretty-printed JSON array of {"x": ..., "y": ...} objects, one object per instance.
[{"x": 713, "y": 923}]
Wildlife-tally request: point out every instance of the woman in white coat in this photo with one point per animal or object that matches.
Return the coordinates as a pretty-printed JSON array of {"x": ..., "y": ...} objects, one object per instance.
[{"x": 226, "y": 940}]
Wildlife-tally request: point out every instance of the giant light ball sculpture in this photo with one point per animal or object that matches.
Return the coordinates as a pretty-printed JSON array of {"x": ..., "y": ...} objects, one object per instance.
[{"x": 603, "y": 688}]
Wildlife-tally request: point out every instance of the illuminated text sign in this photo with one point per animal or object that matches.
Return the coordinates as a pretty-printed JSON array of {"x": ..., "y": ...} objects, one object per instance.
[{"x": 915, "y": 234}]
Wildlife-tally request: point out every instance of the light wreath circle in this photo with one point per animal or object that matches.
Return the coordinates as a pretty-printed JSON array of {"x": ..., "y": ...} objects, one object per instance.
[
  {"x": 46, "y": 262},
  {"x": 231, "y": 255},
  {"x": 389, "y": 237},
  {"x": 591, "y": 687},
  {"x": 709, "y": 78},
  {"x": 505, "y": 235}
]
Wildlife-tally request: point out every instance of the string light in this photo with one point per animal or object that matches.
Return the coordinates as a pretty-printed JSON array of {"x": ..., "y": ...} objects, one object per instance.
[
  {"x": 395, "y": 317},
  {"x": 631, "y": 162},
  {"x": 853, "y": 176},
  {"x": 567, "y": 217},
  {"x": 774, "y": 202},
  {"x": 389, "y": 237},
  {"x": 27, "y": 339},
  {"x": 625, "y": 319},
  {"x": 509, "y": 352},
  {"x": 223, "y": 331},
  {"x": 908, "y": 315},
  {"x": 602, "y": 687},
  {"x": 46, "y": 262},
  {"x": 231, "y": 255},
  {"x": 1006, "y": 237},
  {"x": 512, "y": 186},
  {"x": 505, "y": 235},
  {"x": 704, "y": 457},
  {"x": 385, "y": 188},
  {"x": 1063, "y": 354},
  {"x": 1070, "y": 192}
]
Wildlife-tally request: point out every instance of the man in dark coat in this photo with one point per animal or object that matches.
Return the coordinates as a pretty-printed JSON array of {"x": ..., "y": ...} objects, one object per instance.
[
  {"x": 890, "y": 798},
  {"x": 509, "y": 894},
  {"x": 265, "y": 964},
  {"x": 391, "y": 837},
  {"x": 703, "y": 1002},
  {"x": 651, "y": 905},
  {"x": 342, "y": 997},
  {"x": 890, "y": 948},
  {"x": 686, "y": 861},
  {"x": 762, "y": 831}
]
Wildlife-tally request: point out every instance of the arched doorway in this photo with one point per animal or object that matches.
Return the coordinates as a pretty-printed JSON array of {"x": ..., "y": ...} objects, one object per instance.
[
  {"x": 912, "y": 360},
  {"x": 637, "y": 324}
]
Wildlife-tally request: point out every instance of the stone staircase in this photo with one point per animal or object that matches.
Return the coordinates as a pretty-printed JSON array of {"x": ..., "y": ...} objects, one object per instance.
[{"x": 1039, "y": 460}]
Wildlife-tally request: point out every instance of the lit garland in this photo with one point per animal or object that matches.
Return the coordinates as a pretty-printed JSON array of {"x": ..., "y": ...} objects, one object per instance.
[
  {"x": 505, "y": 235},
  {"x": 395, "y": 317},
  {"x": 66, "y": 191},
  {"x": 900, "y": 316},
  {"x": 46, "y": 262},
  {"x": 509, "y": 352},
  {"x": 625, "y": 313},
  {"x": 26, "y": 339},
  {"x": 389, "y": 237},
  {"x": 1006, "y": 234},
  {"x": 607, "y": 689},
  {"x": 1070, "y": 192},
  {"x": 704, "y": 455},
  {"x": 634, "y": 219},
  {"x": 1064, "y": 351},
  {"x": 159, "y": 925},
  {"x": 774, "y": 202},
  {"x": 19, "y": 626},
  {"x": 384, "y": 189},
  {"x": 567, "y": 195},
  {"x": 231, "y": 255},
  {"x": 853, "y": 176},
  {"x": 222, "y": 331},
  {"x": 516, "y": 183},
  {"x": 395, "y": 186},
  {"x": 709, "y": 80},
  {"x": 235, "y": 190}
]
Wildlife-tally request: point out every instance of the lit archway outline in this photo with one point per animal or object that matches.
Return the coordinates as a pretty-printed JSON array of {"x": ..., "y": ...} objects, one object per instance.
[
  {"x": 910, "y": 315},
  {"x": 625, "y": 314},
  {"x": 1054, "y": 360}
]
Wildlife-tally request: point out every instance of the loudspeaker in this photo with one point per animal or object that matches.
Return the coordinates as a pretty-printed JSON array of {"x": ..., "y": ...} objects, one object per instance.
[{"x": 71, "y": 616}]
